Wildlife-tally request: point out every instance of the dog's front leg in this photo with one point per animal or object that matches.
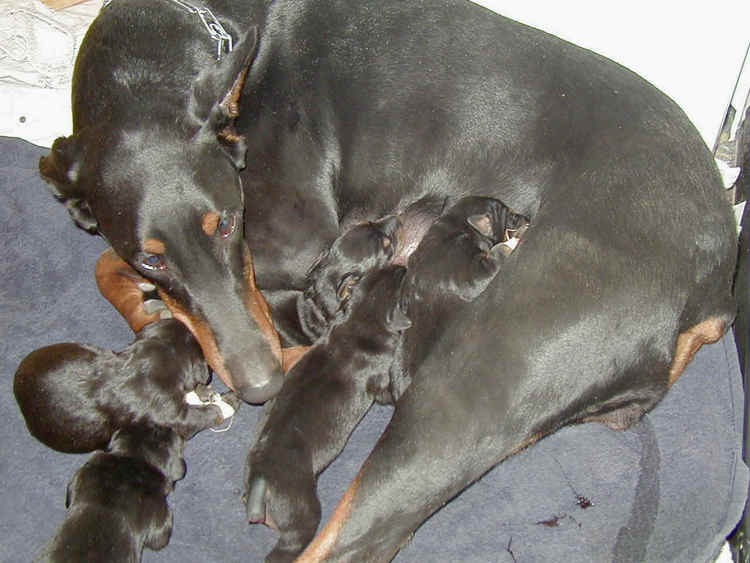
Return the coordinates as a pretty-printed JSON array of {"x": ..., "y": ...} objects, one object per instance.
[{"x": 124, "y": 288}]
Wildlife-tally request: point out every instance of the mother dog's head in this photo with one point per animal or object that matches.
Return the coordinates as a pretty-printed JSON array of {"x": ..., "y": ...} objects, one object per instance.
[{"x": 162, "y": 186}]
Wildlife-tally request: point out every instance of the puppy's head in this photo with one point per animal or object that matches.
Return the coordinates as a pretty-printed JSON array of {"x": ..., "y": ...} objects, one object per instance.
[
  {"x": 362, "y": 249},
  {"x": 373, "y": 306},
  {"x": 170, "y": 348},
  {"x": 162, "y": 185}
]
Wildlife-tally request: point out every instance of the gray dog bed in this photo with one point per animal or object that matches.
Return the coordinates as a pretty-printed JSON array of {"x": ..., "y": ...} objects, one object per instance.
[{"x": 668, "y": 489}]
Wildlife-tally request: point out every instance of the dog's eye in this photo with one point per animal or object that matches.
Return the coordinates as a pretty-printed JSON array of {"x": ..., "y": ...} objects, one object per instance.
[
  {"x": 154, "y": 262},
  {"x": 227, "y": 225}
]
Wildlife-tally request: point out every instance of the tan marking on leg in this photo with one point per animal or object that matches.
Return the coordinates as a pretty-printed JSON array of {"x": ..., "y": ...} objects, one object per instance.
[
  {"x": 688, "y": 343},
  {"x": 117, "y": 282},
  {"x": 154, "y": 246},
  {"x": 322, "y": 544}
]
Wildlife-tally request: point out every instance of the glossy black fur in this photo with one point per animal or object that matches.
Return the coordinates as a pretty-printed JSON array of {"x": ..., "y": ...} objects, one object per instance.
[
  {"x": 361, "y": 249},
  {"x": 456, "y": 259},
  {"x": 117, "y": 502},
  {"x": 74, "y": 397},
  {"x": 352, "y": 111},
  {"x": 355, "y": 363}
]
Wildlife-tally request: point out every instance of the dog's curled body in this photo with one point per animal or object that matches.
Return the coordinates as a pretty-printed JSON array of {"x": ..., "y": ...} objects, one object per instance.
[
  {"x": 351, "y": 111},
  {"x": 74, "y": 397}
]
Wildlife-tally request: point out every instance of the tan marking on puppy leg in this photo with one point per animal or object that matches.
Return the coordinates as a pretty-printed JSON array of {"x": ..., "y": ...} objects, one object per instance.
[
  {"x": 154, "y": 246},
  {"x": 117, "y": 282},
  {"x": 322, "y": 544},
  {"x": 209, "y": 223},
  {"x": 688, "y": 343}
]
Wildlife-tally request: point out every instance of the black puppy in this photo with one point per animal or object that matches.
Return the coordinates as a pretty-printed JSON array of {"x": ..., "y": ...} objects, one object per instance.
[
  {"x": 361, "y": 249},
  {"x": 458, "y": 254},
  {"x": 75, "y": 397},
  {"x": 355, "y": 363},
  {"x": 464, "y": 248},
  {"x": 117, "y": 502}
]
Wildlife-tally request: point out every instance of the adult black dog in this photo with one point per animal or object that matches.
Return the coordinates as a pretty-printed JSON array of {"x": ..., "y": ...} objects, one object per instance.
[
  {"x": 75, "y": 397},
  {"x": 353, "y": 111},
  {"x": 117, "y": 502}
]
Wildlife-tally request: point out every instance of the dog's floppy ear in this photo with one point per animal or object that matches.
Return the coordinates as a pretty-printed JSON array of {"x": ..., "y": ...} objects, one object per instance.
[
  {"x": 216, "y": 93},
  {"x": 60, "y": 168}
]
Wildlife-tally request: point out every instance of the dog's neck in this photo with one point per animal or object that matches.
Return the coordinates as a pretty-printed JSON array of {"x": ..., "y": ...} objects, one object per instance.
[{"x": 211, "y": 23}]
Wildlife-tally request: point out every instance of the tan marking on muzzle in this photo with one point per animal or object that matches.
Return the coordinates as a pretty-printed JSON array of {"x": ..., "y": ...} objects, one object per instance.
[
  {"x": 202, "y": 333},
  {"x": 688, "y": 343},
  {"x": 209, "y": 223},
  {"x": 154, "y": 246},
  {"x": 117, "y": 282},
  {"x": 290, "y": 356},
  {"x": 256, "y": 306}
]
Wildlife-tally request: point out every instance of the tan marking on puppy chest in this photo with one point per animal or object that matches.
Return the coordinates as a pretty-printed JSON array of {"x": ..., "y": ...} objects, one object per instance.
[
  {"x": 154, "y": 246},
  {"x": 688, "y": 343},
  {"x": 209, "y": 223}
]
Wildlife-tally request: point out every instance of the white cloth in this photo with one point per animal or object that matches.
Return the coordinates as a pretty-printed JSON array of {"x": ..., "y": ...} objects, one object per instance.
[{"x": 38, "y": 47}]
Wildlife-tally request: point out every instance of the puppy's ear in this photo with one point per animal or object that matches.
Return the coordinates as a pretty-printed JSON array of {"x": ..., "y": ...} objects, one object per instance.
[
  {"x": 388, "y": 226},
  {"x": 481, "y": 224},
  {"x": 60, "y": 168},
  {"x": 216, "y": 94}
]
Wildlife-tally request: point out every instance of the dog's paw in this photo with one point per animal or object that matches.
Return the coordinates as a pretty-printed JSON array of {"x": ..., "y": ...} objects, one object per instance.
[
  {"x": 126, "y": 290},
  {"x": 286, "y": 502},
  {"x": 232, "y": 399},
  {"x": 226, "y": 409},
  {"x": 255, "y": 502}
]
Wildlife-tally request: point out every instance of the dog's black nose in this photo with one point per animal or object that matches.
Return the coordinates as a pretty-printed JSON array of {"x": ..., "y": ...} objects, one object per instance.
[{"x": 257, "y": 394}]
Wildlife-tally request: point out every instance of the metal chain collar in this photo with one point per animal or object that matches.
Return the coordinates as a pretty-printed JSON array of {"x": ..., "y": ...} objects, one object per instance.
[{"x": 210, "y": 22}]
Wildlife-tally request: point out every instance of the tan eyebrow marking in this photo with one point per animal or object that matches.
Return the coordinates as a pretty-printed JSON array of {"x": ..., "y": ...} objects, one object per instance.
[
  {"x": 154, "y": 246},
  {"x": 209, "y": 223}
]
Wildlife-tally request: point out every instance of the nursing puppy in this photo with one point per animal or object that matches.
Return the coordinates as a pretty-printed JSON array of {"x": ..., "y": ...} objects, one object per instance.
[
  {"x": 117, "y": 502},
  {"x": 460, "y": 252},
  {"x": 359, "y": 361},
  {"x": 352, "y": 365},
  {"x": 464, "y": 249},
  {"x": 361, "y": 249},
  {"x": 75, "y": 397}
]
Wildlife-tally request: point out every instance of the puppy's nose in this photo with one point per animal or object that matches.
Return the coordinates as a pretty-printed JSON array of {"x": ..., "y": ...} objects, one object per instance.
[{"x": 258, "y": 393}]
